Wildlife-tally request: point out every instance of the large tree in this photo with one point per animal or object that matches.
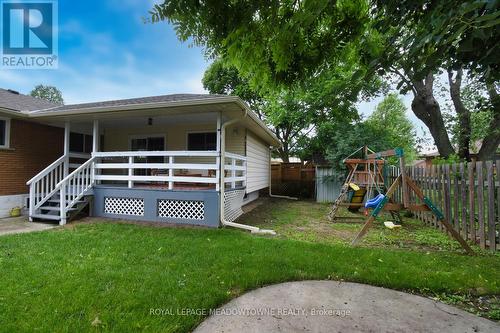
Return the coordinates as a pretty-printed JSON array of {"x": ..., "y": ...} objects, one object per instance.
[
  {"x": 48, "y": 93},
  {"x": 284, "y": 42},
  {"x": 387, "y": 127},
  {"x": 471, "y": 124},
  {"x": 286, "y": 113},
  {"x": 295, "y": 113},
  {"x": 269, "y": 41},
  {"x": 421, "y": 37},
  {"x": 390, "y": 116}
]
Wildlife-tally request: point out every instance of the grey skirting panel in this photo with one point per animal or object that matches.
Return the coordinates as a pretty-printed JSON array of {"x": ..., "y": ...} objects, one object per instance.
[{"x": 179, "y": 207}]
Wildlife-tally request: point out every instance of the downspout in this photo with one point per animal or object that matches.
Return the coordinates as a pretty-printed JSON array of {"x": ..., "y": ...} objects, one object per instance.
[
  {"x": 222, "y": 186},
  {"x": 270, "y": 182}
]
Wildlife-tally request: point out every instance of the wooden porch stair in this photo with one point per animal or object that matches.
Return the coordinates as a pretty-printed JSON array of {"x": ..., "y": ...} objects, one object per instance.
[{"x": 51, "y": 210}]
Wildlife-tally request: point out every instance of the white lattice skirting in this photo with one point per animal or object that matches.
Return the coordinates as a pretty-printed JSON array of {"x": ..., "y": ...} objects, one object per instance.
[
  {"x": 124, "y": 206},
  {"x": 181, "y": 209},
  {"x": 233, "y": 200}
]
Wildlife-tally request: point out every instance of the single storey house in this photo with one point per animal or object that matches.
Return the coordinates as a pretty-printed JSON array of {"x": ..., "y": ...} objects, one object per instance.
[{"x": 183, "y": 158}]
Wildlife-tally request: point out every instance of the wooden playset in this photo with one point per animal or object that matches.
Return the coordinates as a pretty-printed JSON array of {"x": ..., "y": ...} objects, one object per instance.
[{"x": 366, "y": 178}]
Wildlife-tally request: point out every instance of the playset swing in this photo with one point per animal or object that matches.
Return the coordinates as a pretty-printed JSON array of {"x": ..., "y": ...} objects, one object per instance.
[
  {"x": 366, "y": 179},
  {"x": 383, "y": 202}
]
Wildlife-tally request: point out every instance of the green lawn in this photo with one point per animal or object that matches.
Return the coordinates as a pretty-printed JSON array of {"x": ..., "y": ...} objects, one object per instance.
[
  {"x": 308, "y": 221},
  {"x": 108, "y": 276}
]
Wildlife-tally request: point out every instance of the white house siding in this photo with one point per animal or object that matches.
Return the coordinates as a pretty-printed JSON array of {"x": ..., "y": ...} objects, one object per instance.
[
  {"x": 235, "y": 140},
  {"x": 257, "y": 163},
  {"x": 118, "y": 139}
]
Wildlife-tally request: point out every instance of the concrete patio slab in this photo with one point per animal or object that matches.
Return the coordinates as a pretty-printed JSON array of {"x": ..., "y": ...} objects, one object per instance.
[
  {"x": 17, "y": 225},
  {"x": 330, "y": 306}
]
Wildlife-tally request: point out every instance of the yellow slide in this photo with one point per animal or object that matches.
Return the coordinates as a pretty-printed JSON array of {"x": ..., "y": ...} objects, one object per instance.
[{"x": 357, "y": 198}]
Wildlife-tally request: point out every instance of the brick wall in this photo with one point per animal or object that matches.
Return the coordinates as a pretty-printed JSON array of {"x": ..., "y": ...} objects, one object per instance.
[{"x": 33, "y": 148}]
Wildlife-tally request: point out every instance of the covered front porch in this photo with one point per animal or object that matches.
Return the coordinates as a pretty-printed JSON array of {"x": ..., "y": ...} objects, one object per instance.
[{"x": 147, "y": 166}]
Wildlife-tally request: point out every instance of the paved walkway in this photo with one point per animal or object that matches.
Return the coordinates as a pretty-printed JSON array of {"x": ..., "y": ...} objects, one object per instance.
[
  {"x": 330, "y": 306},
  {"x": 17, "y": 225}
]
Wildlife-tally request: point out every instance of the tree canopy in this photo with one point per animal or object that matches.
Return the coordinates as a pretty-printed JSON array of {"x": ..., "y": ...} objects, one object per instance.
[
  {"x": 390, "y": 117},
  {"x": 386, "y": 128},
  {"x": 48, "y": 93},
  {"x": 295, "y": 113},
  {"x": 440, "y": 34},
  {"x": 269, "y": 41},
  {"x": 287, "y": 43}
]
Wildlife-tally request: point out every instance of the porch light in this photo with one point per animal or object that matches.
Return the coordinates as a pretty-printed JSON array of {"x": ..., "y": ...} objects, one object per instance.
[{"x": 150, "y": 121}]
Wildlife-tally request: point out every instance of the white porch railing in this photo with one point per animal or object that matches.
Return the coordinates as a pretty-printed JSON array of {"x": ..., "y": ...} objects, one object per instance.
[
  {"x": 195, "y": 167},
  {"x": 178, "y": 166},
  {"x": 236, "y": 169},
  {"x": 43, "y": 186},
  {"x": 75, "y": 185}
]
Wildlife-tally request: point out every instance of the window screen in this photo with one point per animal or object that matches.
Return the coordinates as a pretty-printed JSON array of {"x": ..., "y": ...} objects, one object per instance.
[
  {"x": 202, "y": 141},
  {"x": 80, "y": 143},
  {"x": 76, "y": 142}
]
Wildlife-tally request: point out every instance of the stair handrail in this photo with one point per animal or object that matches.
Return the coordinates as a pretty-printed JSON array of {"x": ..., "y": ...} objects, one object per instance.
[
  {"x": 62, "y": 187},
  {"x": 41, "y": 186},
  {"x": 47, "y": 170},
  {"x": 68, "y": 177}
]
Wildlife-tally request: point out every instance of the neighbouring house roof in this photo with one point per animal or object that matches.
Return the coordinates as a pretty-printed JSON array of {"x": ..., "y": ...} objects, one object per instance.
[
  {"x": 475, "y": 147},
  {"x": 418, "y": 163},
  {"x": 291, "y": 160},
  {"x": 14, "y": 101}
]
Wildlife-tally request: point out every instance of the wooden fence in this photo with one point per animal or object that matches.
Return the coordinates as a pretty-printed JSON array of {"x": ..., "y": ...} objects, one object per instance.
[
  {"x": 468, "y": 194},
  {"x": 293, "y": 179}
]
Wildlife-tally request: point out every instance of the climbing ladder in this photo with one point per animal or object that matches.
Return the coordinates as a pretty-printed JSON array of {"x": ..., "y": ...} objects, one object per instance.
[{"x": 342, "y": 194}]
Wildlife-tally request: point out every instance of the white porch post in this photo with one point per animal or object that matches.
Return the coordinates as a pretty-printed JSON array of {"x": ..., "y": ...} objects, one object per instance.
[
  {"x": 95, "y": 137},
  {"x": 95, "y": 146},
  {"x": 32, "y": 202},
  {"x": 63, "y": 190},
  {"x": 233, "y": 172},
  {"x": 130, "y": 172},
  {"x": 171, "y": 172},
  {"x": 67, "y": 131},
  {"x": 218, "y": 158}
]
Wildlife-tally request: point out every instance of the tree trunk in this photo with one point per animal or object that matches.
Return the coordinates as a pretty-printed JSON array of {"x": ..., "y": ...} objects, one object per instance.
[
  {"x": 463, "y": 113},
  {"x": 427, "y": 109},
  {"x": 284, "y": 152},
  {"x": 492, "y": 138},
  {"x": 284, "y": 156}
]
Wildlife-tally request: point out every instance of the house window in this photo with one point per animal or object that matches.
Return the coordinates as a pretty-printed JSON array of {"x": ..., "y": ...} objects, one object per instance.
[
  {"x": 202, "y": 141},
  {"x": 153, "y": 143},
  {"x": 4, "y": 132},
  {"x": 80, "y": 143}
]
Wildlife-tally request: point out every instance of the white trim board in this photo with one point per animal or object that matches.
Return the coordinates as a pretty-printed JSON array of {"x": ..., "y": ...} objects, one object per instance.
[{"x": 7, "y": 133}]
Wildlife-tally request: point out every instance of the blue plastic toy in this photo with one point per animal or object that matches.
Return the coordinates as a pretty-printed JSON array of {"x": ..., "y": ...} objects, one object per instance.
[{"x": 372, "y": 203}]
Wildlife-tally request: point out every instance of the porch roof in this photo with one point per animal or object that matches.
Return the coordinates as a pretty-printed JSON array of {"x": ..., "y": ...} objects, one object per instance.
[
  {"x": 230, "y": 106},
  {"x": 130, "y": 102}
]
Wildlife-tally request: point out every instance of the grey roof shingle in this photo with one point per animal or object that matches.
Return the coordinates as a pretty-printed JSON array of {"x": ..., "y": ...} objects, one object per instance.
[
  {"x": 134, "y": 101},
  {"x": 22, "y": 103}
]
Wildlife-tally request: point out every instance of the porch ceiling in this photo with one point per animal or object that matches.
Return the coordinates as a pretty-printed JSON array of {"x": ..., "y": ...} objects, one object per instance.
[{"x": 137, "y": 121}]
